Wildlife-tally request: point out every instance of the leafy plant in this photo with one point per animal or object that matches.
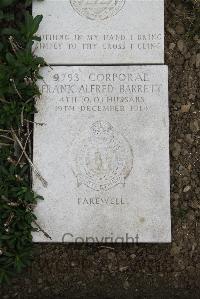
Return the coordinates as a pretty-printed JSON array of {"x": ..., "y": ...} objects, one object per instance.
[{"x": 19, "y": 72}]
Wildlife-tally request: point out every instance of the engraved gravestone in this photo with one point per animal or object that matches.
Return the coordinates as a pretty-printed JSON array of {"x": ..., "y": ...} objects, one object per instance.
[
  {"x": 101, "y": 31},
  {"x": 103, "y": 149}
]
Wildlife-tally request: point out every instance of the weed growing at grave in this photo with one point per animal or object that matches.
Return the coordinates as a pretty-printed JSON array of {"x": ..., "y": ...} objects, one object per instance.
[
  {"x": 19, "y": 71},
  {"x": 192, "y": 17}
]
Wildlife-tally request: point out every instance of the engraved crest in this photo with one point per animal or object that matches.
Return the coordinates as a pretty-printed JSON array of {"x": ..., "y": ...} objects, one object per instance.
[
  {"x": 101, "y": 157},
  {"x": 97, "y": 9}
]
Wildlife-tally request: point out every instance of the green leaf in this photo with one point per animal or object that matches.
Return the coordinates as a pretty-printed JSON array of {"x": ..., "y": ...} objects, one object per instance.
[
  {"x": 10, "y": 58},
  {"x": 5, "y": 3},
  {"x": 31, "y": 25}
]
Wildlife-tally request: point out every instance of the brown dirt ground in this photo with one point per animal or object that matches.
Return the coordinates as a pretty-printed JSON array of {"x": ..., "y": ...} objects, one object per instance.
[{"x": 140, "y": 271}]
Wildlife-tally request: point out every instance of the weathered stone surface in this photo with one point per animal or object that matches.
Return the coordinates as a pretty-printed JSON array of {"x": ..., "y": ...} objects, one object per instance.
[
  {"x": 103, "y": 149},
  {"x": 101, "y": 31}
]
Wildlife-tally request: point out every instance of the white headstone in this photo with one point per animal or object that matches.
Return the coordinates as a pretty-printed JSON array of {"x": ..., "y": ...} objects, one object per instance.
[
  {"x": 101, "y": 31},
  {"x": 103, "y": 149}
]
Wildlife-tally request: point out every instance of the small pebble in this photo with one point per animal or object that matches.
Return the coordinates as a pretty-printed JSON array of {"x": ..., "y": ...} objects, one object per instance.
[
  {"x": 186, "y": 189},
  {"x": 180, "y": 29}
]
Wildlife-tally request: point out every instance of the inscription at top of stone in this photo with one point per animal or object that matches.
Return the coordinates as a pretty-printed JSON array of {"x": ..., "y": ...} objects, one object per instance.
[{"x": 101, "y": 31}]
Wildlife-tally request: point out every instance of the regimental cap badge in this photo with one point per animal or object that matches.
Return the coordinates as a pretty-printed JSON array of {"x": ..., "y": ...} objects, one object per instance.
[
  {"x": 97, "y": 9},
  {"x": 101, "y": 157}
]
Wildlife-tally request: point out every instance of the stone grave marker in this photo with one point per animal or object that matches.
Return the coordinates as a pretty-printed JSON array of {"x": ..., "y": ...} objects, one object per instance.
[
  {"x": 103, "y": 149},
  {"x": 78, "y": 32}
]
